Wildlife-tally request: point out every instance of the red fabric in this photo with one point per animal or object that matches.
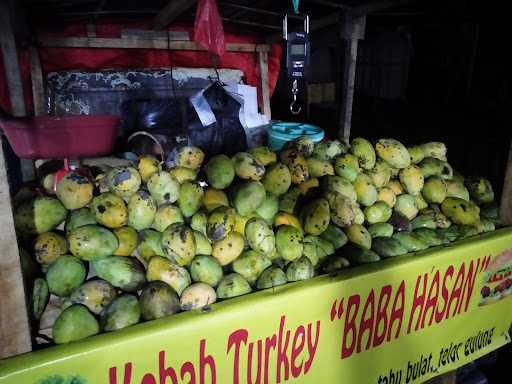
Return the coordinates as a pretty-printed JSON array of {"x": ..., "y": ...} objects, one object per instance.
[
  {"x": 208, "y": 30},
  {"x": 24, "y": 63},
  {"x": 59, "y": 59}
]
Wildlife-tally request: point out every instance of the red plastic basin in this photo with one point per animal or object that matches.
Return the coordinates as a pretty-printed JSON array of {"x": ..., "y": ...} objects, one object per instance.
[{"x": 46, "y": 137}]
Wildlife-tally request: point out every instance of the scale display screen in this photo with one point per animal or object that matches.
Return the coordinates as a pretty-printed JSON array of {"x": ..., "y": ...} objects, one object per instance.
[{"x": 298, "y": 49}]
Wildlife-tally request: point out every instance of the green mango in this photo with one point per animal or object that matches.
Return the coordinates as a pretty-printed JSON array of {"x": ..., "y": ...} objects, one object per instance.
[
  {"x": 412, "y": 179},
  {"x": 277, "y": 179},
  {"x": 74, "y": 190},
  {"x": 179, "y": 244},
  {"x": 203, "y": 246},
  {"x": 297, "y": 165},
  {"x": 434, "y": 190},
  {"x": 232, "y": 285},
  {"x": 359, "y": 235},
  {"x": 273, "y": 276},
  {"x": 288, "y": 200},
  {"x": 65, "y": 275},
  {"x": 199, "y": 222},
  {"x": 162, "y": 269},
  {"x": 122, "y": 272},
  {"x": 229, "y": 248},
  {"x": 183, "y": 174},
  {"x": 434, "y": 149},
  {"x": 95, "y": 294},
  {"x": 39, "y": 215},
  {"x": 319, "y": 168},
  {"x": 141, "y": 210},
  {"x": 246, "y": 166},
  {"x": 150, "y": 244},
  {"x": 263, "y": 155},
  {"x": 289, "y": 242},
  {"x": 269, "y": 208},
  {"x": 122, "y": 312},
  {"x": 49, "y": 246},
  {"x": 416, "y": 153},
  {"x": 260, "y": 236},
  {"x": 434, "y": 167},
  {"x": 92, "y": 242},
  {"x": 480, "y": 190},
  {"x": 74, "y": 323},
  {"x": 166, "y": 215},
  {"x": 303, "y": 144},
  {"x": 221, "y": 223},
  {"x": 380, "y": 173},
  {"x": 379, "y": 212},
  {"x": 335, "y": 263},
  {"x": 357, "y": 255},
  {"x": 423, "y": 221},
  {"x": 197, "y": 296},
  {"x": 189, "y": 157},
  {"x": 456, "y": 189},
  {"x": 300, "y": 269},
  {"x": 410, "y": 241},
  {"x": 123, "y": 181},
  {"x": 248, "y": 196},
  {"x": 40, "y": 297},
  {"x": 452, "y": 233},
  {"x": 393, "y": 152},
  {"x": 250, "y": 265},
  {"x": 363, "y": 150},
  {"x": 147, "y": 166},
  {"x": 334, "y": 235},
  {"x": 206, "y": 269},
  {"x": 316, "y": 249},
  {"x": 388, "y": 247},
  {"x": 342, "y": 209},
  {"x": 347, "y": 166},
  {"x": 163, "y": 187},
  {"x": 79, "y": 218},
  {"x": 380, "y": 230},
  {"x": 340, "y": 185},
  {"x": 429, "y": 236},
  {"x": 406, "y": 205},
  {"x": 329, "y": 150},
  {"x": 316, "y": 216},
  {"x": 365, "y": 190},
  {"x": 191, "y": 195},
  {"x": 420, "y": 201},
  {"x": 110, "y": 210},
  {"x": 220, "y": 171},
  {"x": 157, "y": 300},
  {"x": 461, "y": 211}
]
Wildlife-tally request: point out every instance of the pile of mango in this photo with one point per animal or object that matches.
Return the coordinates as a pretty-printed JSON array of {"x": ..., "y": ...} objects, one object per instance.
[{"x": 141, "y": 242}]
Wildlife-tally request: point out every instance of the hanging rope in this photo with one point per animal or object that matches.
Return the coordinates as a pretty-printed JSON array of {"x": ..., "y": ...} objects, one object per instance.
[{"x": 295, "y": 6}]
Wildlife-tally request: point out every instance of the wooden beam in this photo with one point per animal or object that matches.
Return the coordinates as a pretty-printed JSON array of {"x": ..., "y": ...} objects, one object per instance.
[
  {"x": 36, "y": 75},
  {"x": 14, "y": 324},
  {"x": 12, "y": 67},
  {"x": 352, "y": 32},
  {"x": 506, "y": 194},
  {"x": 171, "y": 12},
  {"x": 134, "y": 42},
  {"x": 265, "y": 94}
]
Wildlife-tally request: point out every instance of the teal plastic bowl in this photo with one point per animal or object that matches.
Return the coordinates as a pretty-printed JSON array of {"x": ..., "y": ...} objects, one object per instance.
[{"x": 280, "y": 133}]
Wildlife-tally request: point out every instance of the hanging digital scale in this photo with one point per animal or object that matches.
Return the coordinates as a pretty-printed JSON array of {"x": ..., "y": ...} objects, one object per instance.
[{"x": 297, "y": 55}]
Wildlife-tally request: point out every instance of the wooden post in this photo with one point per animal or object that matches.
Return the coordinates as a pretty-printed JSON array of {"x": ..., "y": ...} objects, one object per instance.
[
  {"x": 506, "y": 194},
  {"x": 13, "y": 75},
  {"x": 263, "y": 62},
  {"x": 12, "y": 66},
  {"x": 37, "y": 82},
  {"x": 14, "y": 326},
  {"x": 352, "y": 31}
]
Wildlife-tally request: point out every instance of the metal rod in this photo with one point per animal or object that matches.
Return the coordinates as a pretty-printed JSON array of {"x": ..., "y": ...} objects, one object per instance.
[
  {"x": 255, "y": 10},
  {"x": 252, "y": 23}
]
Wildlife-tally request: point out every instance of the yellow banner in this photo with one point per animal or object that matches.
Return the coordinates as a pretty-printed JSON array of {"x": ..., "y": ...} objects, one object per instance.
[{"x": 398, "y": 321}]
